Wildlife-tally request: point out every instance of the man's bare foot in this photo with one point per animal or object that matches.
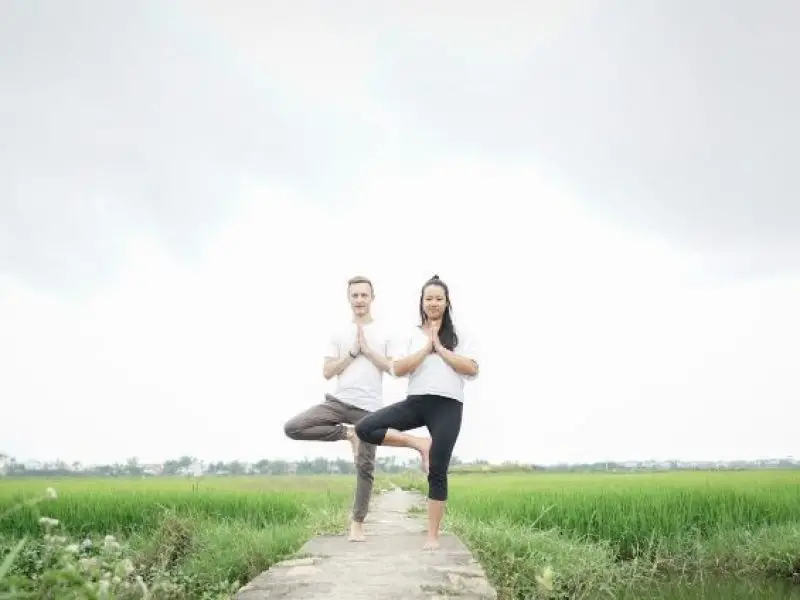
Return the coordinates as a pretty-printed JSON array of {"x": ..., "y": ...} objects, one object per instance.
[
  {"x": 356, "y": 532},
  {"x": 353, "y": 439},
  {"x": 424, "y": 449},
  {"x": 431, "y": 544}
]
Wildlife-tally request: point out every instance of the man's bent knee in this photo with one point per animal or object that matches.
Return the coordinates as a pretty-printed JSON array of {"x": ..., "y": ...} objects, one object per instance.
[{"x": 292, "y": 429}]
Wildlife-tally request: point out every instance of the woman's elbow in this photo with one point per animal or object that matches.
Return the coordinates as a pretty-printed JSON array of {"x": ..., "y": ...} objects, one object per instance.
[
  {"x": 397, "y": 369},
  {"x": 470, "y": 369}
]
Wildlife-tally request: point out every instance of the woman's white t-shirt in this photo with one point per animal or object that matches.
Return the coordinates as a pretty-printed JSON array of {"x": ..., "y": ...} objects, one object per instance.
[{"x": 434, "y": 375}]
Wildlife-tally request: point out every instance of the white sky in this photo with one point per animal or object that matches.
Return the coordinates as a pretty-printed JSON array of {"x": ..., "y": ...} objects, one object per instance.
[{"x": 602, "y": 338}]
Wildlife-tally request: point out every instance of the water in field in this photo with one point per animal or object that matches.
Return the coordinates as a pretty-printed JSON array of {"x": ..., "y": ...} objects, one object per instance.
[{"x": 717, "y": 589}]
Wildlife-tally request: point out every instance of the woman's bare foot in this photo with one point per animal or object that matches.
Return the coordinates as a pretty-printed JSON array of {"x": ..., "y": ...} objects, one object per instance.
[
  {"x": 356, "y": 532},
  {"x": 424, "y": 449},
  {"x": 353, "y": 439},
  {"x": 431, "y": 544}
]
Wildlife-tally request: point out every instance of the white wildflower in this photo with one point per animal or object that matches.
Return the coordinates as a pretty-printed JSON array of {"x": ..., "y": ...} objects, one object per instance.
[
  {"x": 127, "y": 566},
  {"x": 546, "y": 578},
  {"x": 73, "y": 549},
  {"x": 51, "y": 493},
  {"x": 111, "y": 543},
  {"x": 142, "y": 585},
  {"x": 47, "y": 522}
]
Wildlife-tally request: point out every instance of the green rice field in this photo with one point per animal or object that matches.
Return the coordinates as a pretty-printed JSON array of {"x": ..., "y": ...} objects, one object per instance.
[
  {"x": 188, "y": 539},
  {"x": 637, "y": 535},
  {"x": 671, "y": 535}
]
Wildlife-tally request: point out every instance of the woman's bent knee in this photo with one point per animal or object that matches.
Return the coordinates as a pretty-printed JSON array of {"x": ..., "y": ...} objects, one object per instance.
[{"x": 367, "y": 432}]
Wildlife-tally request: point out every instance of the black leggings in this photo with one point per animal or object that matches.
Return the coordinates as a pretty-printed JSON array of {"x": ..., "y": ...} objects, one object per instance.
[{"x": 442, "y": 417}]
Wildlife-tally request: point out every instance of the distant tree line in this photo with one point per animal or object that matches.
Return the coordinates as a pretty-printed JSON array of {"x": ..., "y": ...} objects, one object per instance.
[{"x": 189, "y": 465}]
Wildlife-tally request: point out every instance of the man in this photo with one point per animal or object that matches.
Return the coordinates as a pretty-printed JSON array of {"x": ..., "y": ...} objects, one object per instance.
[{"x": 358, "y": 355}]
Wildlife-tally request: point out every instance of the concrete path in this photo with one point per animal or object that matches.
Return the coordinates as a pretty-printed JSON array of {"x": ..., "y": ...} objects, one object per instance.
[{"x": 390, "y": 565}]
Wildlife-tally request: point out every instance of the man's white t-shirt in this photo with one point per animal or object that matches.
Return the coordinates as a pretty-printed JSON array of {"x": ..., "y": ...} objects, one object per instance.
[
  {"x": 361, "y": 383},
  {"x": 434, "y": 375}
]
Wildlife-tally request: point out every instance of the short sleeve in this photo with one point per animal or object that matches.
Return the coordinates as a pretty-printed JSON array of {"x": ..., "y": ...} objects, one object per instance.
[
  {"x": 398, "y": 346},
  {"x": 387, "y": 345},
  {"x": 468, "y": 348}
]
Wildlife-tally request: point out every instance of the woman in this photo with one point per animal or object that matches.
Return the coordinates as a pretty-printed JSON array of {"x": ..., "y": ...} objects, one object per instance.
[{"x": 437, "y": 361}]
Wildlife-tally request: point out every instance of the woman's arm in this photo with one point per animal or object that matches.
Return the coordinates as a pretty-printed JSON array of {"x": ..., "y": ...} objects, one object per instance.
[
  {"x": 463, "y": 365},
  {"x": 404, "y": 366},
  {"x": 460, "y": 364}
]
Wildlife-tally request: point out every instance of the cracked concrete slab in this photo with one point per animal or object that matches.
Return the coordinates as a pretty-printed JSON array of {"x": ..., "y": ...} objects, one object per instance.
[{"x": 390, "y": 565}]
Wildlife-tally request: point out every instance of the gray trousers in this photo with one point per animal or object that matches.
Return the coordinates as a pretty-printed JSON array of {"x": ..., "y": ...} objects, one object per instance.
[{"x": 325, "y": 423}]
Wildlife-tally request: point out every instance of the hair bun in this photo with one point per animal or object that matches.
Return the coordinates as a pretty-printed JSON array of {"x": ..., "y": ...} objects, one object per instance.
[{"x": 435, "y": 276}]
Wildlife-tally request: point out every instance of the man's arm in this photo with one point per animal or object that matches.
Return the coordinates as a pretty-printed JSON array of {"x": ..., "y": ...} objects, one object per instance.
[
  {"x": 334, "y": 363},
  {"x": 380, "y": 358},
  {"x": 335, "y": 366},
  {"x": 383, "y": 363}
]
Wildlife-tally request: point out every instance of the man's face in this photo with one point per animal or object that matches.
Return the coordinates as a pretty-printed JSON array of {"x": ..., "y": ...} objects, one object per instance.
[{"x": 360, "y": 297}]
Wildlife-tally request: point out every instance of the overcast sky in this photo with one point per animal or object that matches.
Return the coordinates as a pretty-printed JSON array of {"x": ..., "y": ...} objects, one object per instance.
[{"x": 610, "y": 189}]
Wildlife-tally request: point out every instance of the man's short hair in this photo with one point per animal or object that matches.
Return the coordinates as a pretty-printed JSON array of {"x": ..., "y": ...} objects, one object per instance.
[{"x": 360, "y": 279}]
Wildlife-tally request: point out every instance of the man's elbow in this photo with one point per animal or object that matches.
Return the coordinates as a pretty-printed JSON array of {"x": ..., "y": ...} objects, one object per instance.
[{"x": 327, "y": 370}]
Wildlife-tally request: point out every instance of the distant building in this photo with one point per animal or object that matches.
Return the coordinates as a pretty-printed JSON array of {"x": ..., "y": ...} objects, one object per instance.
[
  {"x": 193, "y": 470},
  {"x": 154, "y": 469}
]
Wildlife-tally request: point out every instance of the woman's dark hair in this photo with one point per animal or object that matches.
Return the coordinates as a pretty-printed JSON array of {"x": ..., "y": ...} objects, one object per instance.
[{"x": 447, "y": 332}]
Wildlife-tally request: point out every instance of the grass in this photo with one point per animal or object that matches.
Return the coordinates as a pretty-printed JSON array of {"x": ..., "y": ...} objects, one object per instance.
[
  {"x": 648, "y": 535},
  {"x": 194, "y": 539},
  {"x": 128, "y": 506},
  {"x": 602, "y": 534}
]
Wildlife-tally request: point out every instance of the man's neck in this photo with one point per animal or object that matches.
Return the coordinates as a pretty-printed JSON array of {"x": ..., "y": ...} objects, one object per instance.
[{"x": 364, "y": 320}]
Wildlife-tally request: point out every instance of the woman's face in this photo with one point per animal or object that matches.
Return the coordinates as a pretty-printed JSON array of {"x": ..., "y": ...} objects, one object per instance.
[{"x": 434, "y": 301}]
